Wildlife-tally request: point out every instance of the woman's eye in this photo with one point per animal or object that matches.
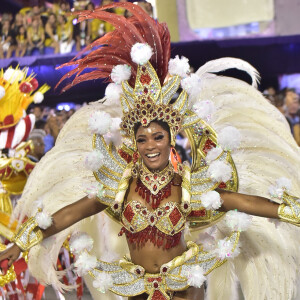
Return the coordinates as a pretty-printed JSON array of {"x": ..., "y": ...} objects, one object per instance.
[
  {"x": 140, "y": 140},
  {"x": 159, "y": 137}
]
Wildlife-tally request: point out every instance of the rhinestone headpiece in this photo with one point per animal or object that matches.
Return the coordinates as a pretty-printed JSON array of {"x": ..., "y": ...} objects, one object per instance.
[{"x": 148, "y": 101}]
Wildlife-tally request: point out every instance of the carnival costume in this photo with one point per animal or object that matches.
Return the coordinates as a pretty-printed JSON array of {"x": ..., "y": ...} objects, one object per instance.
[
  {"x": 17, "y": 91},
  {"x": 136, "y": 57}
]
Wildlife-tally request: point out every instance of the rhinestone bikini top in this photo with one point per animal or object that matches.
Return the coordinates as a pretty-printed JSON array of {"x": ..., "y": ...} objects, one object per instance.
[{"x": 167, "y": 218}]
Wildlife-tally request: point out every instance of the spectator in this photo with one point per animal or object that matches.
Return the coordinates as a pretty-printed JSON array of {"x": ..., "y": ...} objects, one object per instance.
[
  {"x": 51, "y": 39},
  {"x": 65, "y": 34},
  {"x": 36, "y": 36},
  {"x": 37, "y": 138},
  {"x": 292, "y": 109},
  {"x": 6, "y": 39},
  {"x": 38, "y": 111},
  {"x": 22, "y": 42}
]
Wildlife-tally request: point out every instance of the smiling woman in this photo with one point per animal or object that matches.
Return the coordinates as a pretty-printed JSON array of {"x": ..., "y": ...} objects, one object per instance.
[
  {"x": 139, "y": 188},
  {"x": 153, "y": 144}
]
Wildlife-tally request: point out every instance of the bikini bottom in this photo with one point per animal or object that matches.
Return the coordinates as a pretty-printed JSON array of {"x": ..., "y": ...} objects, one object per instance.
[{"x": 131, "y": 280}]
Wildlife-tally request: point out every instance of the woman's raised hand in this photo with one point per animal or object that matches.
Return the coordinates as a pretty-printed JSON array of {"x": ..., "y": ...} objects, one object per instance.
[{"x": 11, "y": 254}]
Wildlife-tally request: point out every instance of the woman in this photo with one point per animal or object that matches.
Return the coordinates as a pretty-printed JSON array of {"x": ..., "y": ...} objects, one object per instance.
[
  {"x": 51, "y": 39},
  {"x": 142, "y": 190}
]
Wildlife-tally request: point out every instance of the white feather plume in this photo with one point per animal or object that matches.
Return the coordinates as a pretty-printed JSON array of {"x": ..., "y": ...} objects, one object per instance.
[
  {"x": 179, "y": 66},
  {"x": 84, "y": 263},
  {"x": 226, "y": 249},
  {"x": 213, "y": 154},
  {"x": 80, "y": 241},
  {"x": 94, "y": 189},
  {"x": 103, "y": 282},
  {"x": 204, "y": 109},
  {"x": 94, "y": 160},
  {"x": 100, "y": 122},
  {"x": 229, "y": 138},
  {"x": 141, "y": 53},
  {"x": 238, "y": 221},
  {"x": 196, "y": 277},
  {"x": 120, "y": 73},
  {"x": 226, "y": 63},
  {"x": 113, "y": 93},
  {"x": 43, "y": 219},
  {"x": 211, "y": 200},
  {"x": 219, "y": 171},
  {"x": 192, "y": 85}
]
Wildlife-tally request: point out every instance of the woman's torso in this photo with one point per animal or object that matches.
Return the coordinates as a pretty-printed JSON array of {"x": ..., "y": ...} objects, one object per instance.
[{"x": 149, "y": 255}]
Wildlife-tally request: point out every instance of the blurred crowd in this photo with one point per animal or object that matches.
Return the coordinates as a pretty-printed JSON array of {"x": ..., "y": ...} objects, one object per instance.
[
  {"x": 49, "y": 122},
  {"x": 287, "y": 101},
  {"x": 53, "y": 27}
]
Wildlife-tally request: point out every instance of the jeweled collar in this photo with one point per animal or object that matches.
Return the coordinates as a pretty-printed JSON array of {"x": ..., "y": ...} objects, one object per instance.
[{"x": 154, "y": 181}]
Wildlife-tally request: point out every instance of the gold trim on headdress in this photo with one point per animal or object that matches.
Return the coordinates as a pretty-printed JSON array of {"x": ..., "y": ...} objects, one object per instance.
[{"x": 148, "y": 101}]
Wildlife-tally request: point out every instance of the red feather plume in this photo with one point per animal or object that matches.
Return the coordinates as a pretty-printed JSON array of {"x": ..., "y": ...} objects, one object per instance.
[{"x": 114, "y": 47}]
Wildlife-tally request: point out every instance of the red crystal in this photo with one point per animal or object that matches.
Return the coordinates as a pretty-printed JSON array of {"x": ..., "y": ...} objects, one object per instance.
[
  {"x": 167, "y": 207},
  {"x": 138, "y": 206},
  {"x": 144, "y": 112},
  {"x": 116, "y": 206},
  {"x": 145, "y": 90},
  {"x": 144, "y": 212},
  {"x": 155, "y": 187},
  {"x": 222, "y": 185},
  {"x": 185, "y": 206},
  {"x": 178, "y": 119},
  {"x": 128, "y": 213},
  {"x": 155, "y": 176},
  {"x": 143, "y": 101},
  {"x": 138, "y": 271},
  {"x": 145, "y": 79},
  {"x": 152, "y": 219},
  {"x": 154, "y": 114},
  {"x": 173, "y": 114},
  {"x": 138, "y": 106},
  {"x": 163, "y": 178},
  {"x": 161, "y": 114},
  {"x": 144, "y": 69},
  {"x": 145, "y": 121},
  {"x": 147, "y": 178},
  {"x": 209, "y": 144},
  {"x": 164, "y": 269},
  {"x": 175, "y": 216},
  {"x": 155, "y": 285},
  {"x": 159, "y": 213},
  {"x": 167, "y": 110}
]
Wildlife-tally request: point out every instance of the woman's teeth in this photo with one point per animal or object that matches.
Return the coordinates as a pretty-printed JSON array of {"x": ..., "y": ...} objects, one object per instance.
[{"x": 152, "y": 155}]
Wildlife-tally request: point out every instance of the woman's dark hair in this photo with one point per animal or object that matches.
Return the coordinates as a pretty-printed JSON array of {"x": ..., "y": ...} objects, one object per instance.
[{"x": 163, "y": 124}]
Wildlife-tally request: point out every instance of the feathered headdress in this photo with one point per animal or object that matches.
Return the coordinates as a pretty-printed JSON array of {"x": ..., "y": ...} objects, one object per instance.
[{"x": 136, "y": 58}]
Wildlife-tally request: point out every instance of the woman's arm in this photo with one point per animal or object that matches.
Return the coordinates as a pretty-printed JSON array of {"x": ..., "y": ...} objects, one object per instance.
[
  {"x": 62, "y": 219},
  {"x": 253, "y": 205},
  {"x": 73, "y": 213}
]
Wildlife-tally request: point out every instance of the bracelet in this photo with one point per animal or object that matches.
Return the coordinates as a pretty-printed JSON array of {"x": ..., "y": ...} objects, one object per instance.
[
  {"x": 289, "y": 210},
  {"x": 28, "y": 235}
]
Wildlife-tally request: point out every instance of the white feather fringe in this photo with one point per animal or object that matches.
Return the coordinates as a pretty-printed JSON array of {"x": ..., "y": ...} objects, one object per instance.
[
  {"x": 225, "y": 249},
  {"x": 100, "y": 122},
  {"x": 120, "y": 73},
  {"x": 219, "y": 171},
  {"x": 238, "y": 221},
  {"x": 43, "y": 219},
  {"x": 211, "y": 200},
  {"x": 114, "y": 136},
  {"x": 12, "y": 75},
  {"x": 229, "y": 138},
  {"x": 79, "y": 242},
  {"x": 281, "y": 184},
  {"x": 141, "y": 53},
  {"x": 213, "y": 154},
  {"x": 94, "y": 160},
  {"x": 204, "y": 109},
  {"x": 113, "y": 93},
  {"x": 103, "y": 282},
  {"x": 179, "y": 66},
  {"x": 84, "y": 263},
  {"x": 95, "y": 190},
  {"x": 192, "y": 86},
  {"x": 196, "y": 277}
]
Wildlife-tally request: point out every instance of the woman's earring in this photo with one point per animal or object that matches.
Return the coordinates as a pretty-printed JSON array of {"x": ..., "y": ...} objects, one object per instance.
[
  {"x": 135, "y": 157},
  {"x": 175, "y": 154}
]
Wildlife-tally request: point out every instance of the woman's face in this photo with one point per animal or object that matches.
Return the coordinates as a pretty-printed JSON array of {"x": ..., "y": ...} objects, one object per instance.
[{"x": 153, "y": 145}]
